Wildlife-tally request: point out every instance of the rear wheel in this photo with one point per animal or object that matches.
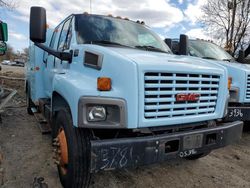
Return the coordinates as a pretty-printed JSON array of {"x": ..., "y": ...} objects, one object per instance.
[{"x": 72, "y": 152}]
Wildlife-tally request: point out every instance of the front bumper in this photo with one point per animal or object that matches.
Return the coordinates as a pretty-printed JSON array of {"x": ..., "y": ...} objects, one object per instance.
[
  {"x": 238, "y": 113},
  {"x": 132, "y": 152}
]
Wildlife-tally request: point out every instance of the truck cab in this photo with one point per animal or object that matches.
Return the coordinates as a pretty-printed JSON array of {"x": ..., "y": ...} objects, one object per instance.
[
  {"x": 116, "y": 97},
  {"x": 239, "y": 74}
]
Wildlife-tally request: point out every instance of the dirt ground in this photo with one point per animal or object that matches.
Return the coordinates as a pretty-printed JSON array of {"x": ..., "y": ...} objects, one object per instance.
[{"x": 25, "y": 154}]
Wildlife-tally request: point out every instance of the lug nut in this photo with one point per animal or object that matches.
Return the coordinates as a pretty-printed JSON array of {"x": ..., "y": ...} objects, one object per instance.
[
  {"x": 55, "y": 139},
  {"x": 56, "y": 144}
]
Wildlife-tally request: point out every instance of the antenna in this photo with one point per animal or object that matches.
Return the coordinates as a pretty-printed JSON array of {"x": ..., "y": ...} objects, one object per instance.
[{"x": 90, "y": 6}]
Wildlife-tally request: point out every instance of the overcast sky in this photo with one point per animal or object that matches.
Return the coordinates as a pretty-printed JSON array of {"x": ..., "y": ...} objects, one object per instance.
[{"x": 168, "y": 18}]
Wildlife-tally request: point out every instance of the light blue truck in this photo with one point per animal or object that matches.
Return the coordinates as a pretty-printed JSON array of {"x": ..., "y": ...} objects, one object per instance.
[
  {"x": 239, "y": 86},
  {"x": 115, "y": 96}
]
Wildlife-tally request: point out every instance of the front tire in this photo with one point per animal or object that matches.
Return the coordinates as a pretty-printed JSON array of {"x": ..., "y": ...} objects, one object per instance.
[{"x": 73, "y": 160}]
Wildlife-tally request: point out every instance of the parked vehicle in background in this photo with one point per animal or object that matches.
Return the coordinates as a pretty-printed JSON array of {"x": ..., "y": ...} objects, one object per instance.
[
  {"x": 8, "y": 62},
  {"x": 239, "y": 85},
  {"x": 116, "y": 97},
  {"x": 19, "y": 62},
  {"x": 246, "y": 54},
  {"x": 5, "y": 62},
  {"x": 13, "y": 63}
]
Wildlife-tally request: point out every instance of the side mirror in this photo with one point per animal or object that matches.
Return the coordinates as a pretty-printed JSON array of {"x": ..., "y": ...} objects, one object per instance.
[
  {"x": 241, "y": 56},
  {"x": 183, "y": 46},
  {"x": 38, "y": 28},
  {"x": 3, "y": 32},
  {"x": 38, "y": 24}
]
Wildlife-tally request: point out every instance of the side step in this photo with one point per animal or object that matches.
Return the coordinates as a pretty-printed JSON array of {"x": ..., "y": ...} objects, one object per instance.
[{"x": 43, "y": 125}]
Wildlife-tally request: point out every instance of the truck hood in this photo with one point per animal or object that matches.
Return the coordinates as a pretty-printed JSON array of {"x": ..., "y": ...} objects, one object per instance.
[
  {"x": 234, "y": 65},
  {"x": 142, "y": 57}
]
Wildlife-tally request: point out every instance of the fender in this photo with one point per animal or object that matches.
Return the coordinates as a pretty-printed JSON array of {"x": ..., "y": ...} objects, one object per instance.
[{"x": 71, "y": 88}]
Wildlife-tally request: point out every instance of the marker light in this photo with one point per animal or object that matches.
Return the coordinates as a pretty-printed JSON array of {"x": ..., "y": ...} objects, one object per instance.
[
  {"x": 229, "y": 82},
  {"x": 104, "y": 84}
]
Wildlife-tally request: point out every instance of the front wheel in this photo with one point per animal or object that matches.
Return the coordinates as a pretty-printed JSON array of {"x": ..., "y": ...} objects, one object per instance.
[{"x": 72, "y": 152}]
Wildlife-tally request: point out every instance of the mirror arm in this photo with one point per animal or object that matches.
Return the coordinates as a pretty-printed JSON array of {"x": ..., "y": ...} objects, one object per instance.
[{"x": 64, "y": 56}]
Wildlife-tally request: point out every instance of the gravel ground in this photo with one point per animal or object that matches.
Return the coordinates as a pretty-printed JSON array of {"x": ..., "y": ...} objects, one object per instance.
[{"x": 25, "y": 154}]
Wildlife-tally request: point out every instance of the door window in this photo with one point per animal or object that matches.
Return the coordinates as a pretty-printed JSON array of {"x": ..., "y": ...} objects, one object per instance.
[
  {"x": 51, "y": 44},
  {"x": 65, "y": 36}
]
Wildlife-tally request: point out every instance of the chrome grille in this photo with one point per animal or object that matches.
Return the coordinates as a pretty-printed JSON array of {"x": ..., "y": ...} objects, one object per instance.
[
  {"x": 161, "y": 89},
  {"x": 248, "y": 87}
]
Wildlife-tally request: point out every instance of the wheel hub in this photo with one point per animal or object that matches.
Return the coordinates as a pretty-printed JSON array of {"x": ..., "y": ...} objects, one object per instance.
[{"x": 61, "y": 151}]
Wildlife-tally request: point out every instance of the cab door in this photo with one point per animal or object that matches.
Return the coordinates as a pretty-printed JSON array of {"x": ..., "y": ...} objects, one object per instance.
[
  {"x": 64, "y": 45},
  {"x": 54, "y": 65}
]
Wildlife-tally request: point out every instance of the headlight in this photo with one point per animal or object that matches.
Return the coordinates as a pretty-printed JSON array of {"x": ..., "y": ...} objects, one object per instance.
[
  {"x": 97, "y": 113},
  {"x": 102, "y": 112}
]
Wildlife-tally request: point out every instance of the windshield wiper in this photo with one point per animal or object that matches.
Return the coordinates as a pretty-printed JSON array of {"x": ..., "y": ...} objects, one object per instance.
[
  {"x": 229, "y": 60},
  {"x": 150, "y": 48},
  {"x": 209, "y": 58},
  {"x": 106, "y": 42}
]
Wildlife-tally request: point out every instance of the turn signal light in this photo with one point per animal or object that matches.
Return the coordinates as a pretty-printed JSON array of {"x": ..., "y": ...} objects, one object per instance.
[
  {"x": 104, "y": 84},
  {"x": 229, "y": 83}
]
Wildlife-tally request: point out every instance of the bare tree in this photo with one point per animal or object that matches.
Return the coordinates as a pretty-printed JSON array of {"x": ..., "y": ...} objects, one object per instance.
[
  {"x": 10, "y": 54},
  {"x": 228, "y": 21},
  {"x": 8, "y": 3}
]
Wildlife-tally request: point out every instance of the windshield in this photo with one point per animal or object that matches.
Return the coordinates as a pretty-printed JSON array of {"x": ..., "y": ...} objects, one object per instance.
[
  {"x": 208, "y": 50},
  {"x": 113, "y": 31}
]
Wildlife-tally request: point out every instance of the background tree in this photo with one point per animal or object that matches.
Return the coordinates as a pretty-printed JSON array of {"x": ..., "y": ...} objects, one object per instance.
[
  {"x": 228, "y": 21},
  {"x": 26, "y": 51},
  {"x": 25, "y": 54},
  {"x": 8, "y": 3},
  {"x": 9, "y": 55}
]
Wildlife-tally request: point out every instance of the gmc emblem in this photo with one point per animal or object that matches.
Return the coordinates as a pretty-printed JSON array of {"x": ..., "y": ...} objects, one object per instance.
[{"x": 187, "y": 97}]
